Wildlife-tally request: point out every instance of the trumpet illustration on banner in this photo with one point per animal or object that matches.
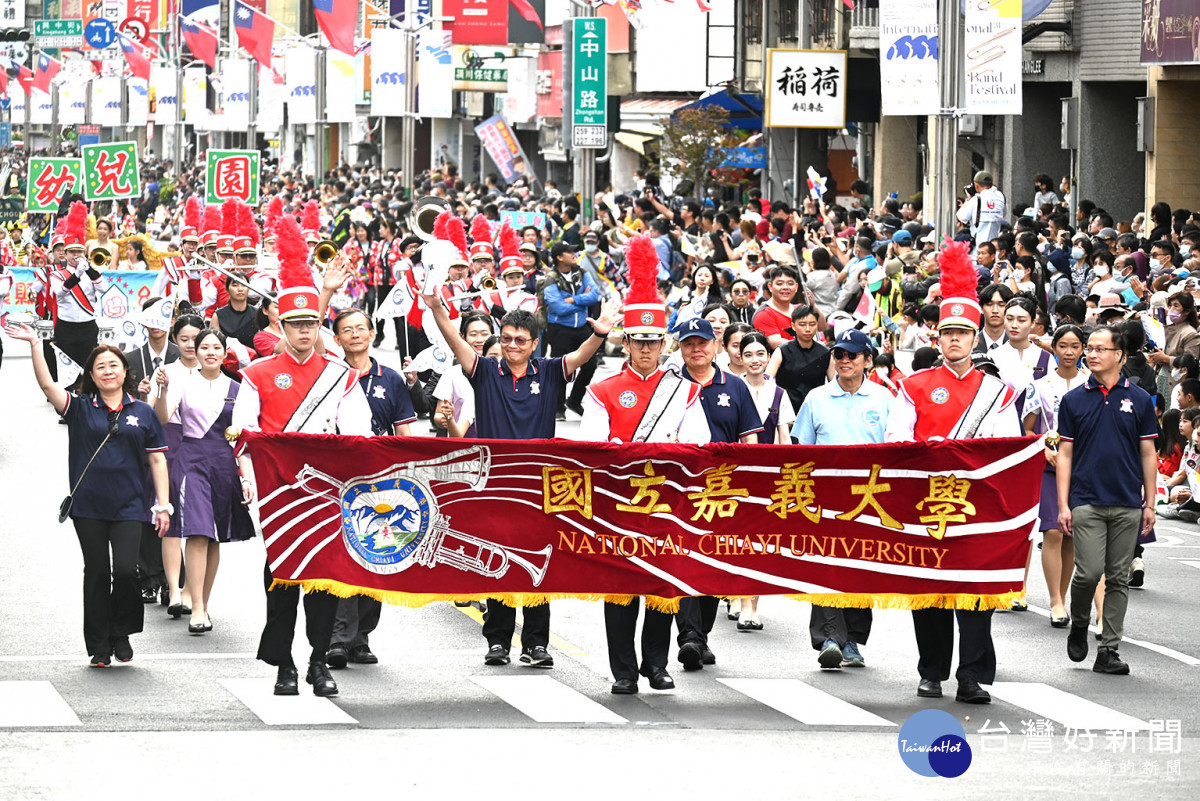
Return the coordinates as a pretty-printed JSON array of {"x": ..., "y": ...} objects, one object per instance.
[{"x": 391, "y": 519}]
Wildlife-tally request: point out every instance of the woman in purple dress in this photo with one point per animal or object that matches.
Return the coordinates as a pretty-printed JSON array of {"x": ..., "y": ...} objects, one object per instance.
[{"x": 210, "y": 509}]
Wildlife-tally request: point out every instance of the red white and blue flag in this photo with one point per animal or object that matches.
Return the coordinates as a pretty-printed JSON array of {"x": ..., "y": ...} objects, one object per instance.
[
  {"x": 338, "y": 20},
  {"x": 45, "y": 71},
  {"x": 139, "y": 65},
  {"x": 255, "y": 32},
  {"x": 201, "y": 40}
]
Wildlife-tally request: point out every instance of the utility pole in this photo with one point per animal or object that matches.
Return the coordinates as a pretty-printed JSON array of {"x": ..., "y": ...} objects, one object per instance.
[
  {"x": 322, "y": 124},
  {"x": 949, "y": 77},
  {"x": 408, "y": 122},
  {"x": 252, "y": 128},
  {"x": 55, "y": 131}
]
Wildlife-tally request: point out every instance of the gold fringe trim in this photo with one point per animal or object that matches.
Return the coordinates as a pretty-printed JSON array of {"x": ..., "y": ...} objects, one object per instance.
[{"x": 669, "y": 605}]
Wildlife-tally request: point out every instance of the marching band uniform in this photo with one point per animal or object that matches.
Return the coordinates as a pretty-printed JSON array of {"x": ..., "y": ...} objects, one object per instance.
[
  {"x": 936, "y": 404},
  {"x": 77, "y": 292}
]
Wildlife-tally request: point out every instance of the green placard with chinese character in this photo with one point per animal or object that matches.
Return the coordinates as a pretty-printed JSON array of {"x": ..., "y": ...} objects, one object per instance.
[
  {"x": 589, "y": 81},
  {"x": 49, "y": 180},
  {"x": 231, "y": 174},
  {"x": 110, "y": 171}
]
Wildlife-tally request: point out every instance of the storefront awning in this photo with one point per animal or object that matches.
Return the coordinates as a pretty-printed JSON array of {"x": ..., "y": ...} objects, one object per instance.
[
  {"x": 745, "y": 111},
  {"x": 633, "y": 141}
]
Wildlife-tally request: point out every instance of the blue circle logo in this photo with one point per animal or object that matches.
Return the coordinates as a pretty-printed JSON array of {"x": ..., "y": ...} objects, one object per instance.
[
  {"x": 385, "y": 521},
  {"x": 627, "y": 398},
  {"x": 283, "y": 380},
  {"x": 871, "y": 417},
  {"x": 932, "y": 743},
  {"x": 940, "y": 395}
]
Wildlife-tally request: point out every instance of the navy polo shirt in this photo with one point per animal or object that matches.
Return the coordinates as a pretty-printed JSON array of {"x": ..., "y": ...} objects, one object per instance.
[
  {"x": 508, "y": 407},
  {"x": 729, "y": 407},
  {"x": 387, "y": 395},
  {"x": 115, "y": 485},
  {"x": 1106, "y": 429}
]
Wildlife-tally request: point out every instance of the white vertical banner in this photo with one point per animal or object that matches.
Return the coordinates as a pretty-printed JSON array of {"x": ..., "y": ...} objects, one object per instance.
[
  {"x": 339, "y": 86},
  {"x": 166, "y": 104},
  {"x": 235, "y": 94},
  {"x": 519, "y": 102},
  {"x": 72, "y": 102},
  {"x": 139, "y": 101},
  {"x": 271, "y": 94},
  {"x": 435, "y": 92},
  {"x": 106, "y": 101},
  {"x": 908, "y": 57},
  {"x": 17, "y": 102},
  {"x": 387, "y": 73},
  {"x": 301, "y": 85},
  {"x": 42, "y": 110},
  {"x": 195, "y": 93},
  {"x": 992, "y": 50}
]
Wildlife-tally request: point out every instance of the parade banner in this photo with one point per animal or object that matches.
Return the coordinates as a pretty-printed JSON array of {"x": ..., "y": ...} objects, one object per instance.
[
  {"x": 120, "y": 305},
  {"x": 231, "y": 174},
  {"x": 17, "y": 102},
  {"x": 908, "y": 49},
  {"x": 417, "y": 520},
  {"x": 50, "y": 179},
  {"x": 195, "y": 96},
  {"x": 435, "y": 95},
  {"x": 992, "y": 43},
  {"x": 805, "y": 89},
  {"x": 388, "y": 94},
  {"x": 110, "y": 171},
  {"x": 502, "y": 145},
  {"x": 42, "y": 110}
]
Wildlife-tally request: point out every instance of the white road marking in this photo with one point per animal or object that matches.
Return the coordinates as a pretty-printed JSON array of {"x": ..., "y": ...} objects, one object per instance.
[
  {"x": 1190, "y": 563},
  {"x": 1063, "y": 707},
  {"x": 33, "y": 704},
  {"x": 547, "y": 701},
  {"x": 805, "y": 703},
  {"x": 1171, "y": 653},
  {"x": 304, "y": 709}
]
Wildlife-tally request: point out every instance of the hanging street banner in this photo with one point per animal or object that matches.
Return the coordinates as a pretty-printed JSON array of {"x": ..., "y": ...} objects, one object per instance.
[
  {"x": 230, "y": 174},
  {"x": 50, "y": 179},
  {"x": 1169, "y": 32},
  {"x": 110, "y": 171},
  {"x": 589, "y": 82},
  {"x": 908, "y": 52},
  {"x": 121, "y": 303},
  {"x": 992, "y": 43},
  {"x": 805, "y": 89},
  {"x": 417, "y": 520},
  {"x": 502, "y": 145},
  {"x": 435, "y": 60},
  {"x": 388, "y": 93}
]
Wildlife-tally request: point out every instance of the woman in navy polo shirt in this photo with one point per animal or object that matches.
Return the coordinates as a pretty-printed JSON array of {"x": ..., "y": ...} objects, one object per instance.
[{"x": 110, "y": 502}]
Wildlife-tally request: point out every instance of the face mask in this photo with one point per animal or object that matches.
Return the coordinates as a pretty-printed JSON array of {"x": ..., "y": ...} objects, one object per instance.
[
  {"x": 591, "y": 247},
  {"x": 1019, "y": 275},
  {"x": 1174, "y": 315},
  {"x": 1178, "y": 374},
  {"x": 1100, "y": 270},
  {"x": 1076, "y": 253},
  {"x": 1155, "y": 264}
]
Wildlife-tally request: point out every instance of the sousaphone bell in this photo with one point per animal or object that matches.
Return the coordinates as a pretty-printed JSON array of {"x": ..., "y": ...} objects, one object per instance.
[{"x": 425, "y": 214}]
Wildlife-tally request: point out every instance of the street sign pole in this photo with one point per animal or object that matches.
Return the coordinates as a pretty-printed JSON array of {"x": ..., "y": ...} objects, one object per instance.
[
  {"x": 321, "y": 126},
  {"x": 55, "y": 133},
  {"x": 589, "y": 102},
  {"x": 949, "y": 73}
]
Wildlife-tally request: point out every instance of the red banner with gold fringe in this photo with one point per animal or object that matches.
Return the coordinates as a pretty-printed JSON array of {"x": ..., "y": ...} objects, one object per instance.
[{"x": 415, "y": 520}]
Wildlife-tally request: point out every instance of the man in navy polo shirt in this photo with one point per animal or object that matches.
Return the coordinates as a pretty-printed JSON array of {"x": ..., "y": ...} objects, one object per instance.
[
  {"x": 1107, "y": 475},
  {"x": 516, "y": 397},
  {"x": 391, "y": 412},
  {"x": 732, "y": 417}
]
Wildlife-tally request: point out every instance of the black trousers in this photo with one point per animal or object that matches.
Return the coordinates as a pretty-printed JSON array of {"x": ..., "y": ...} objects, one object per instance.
[
  {"x": 839, "y": 625},
  {"x": 320, "y": 608},
  {"x": 502, "y": 622},
  {"x": 935, "y": 644},
  {"x": 77, "y": 340},
  {"x": 620, "y": 623},
  {"x": 112, "y": 600},
  {"x": 374, "y": 297},
  {"x": 561, "y": 341},
  {"x": 356, "y": 618},
  {"x": 51, "y": 359},
  {"x": 151, "y": 575},
  {"x": 696, "y": 617}
]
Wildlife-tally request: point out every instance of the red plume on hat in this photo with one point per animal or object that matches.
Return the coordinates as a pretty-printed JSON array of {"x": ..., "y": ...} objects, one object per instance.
[
  {"x": 229, "y": 217},
  {"x": 293, "y": 255},
  {"x": 191, "y": 213},
  {"x": 274, "y": 212},
  {"x": 510, "y": 243},
  {"x": 960, "y": 299},
  {"x": 645, "y": 314},
  {"x": 76, "y": 232},
  {"x": 440, "y": 229},
  {"x": 456, "y": 234},
  {"x": 311, "y": 219},
  {"x": 212, "y": 218},
  {"x": 245, "y": 223},
  {"x": 480, "y": 230}
]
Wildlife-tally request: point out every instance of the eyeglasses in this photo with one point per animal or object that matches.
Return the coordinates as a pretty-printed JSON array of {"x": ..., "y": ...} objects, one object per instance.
[
  {"x": 839, "y": 354},
  {"x": 520, "y": 342},
  {"x": 112, "y": 422},
  {"x": 1097, "y": 349},
  {"x": 740, "y": 291}
]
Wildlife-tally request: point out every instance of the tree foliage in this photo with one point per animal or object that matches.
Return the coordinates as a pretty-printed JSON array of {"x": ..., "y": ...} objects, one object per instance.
[{"x": 690, "y": 145}]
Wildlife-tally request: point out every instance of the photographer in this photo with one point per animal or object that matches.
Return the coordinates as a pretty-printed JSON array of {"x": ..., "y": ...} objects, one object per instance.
[{"x": 985, "y": 209}]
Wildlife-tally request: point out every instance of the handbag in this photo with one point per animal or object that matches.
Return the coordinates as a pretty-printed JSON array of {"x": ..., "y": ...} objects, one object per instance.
[{"x": 64, "y": 508}]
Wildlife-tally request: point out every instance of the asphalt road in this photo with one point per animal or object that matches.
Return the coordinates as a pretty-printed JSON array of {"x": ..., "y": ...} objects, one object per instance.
[{"x": 193, "y": 717}]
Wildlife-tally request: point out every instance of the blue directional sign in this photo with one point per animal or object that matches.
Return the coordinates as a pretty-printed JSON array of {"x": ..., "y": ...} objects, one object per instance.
[{"x": 99, "y": 33}]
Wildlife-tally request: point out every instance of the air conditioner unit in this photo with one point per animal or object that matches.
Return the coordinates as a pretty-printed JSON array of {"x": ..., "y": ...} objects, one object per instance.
[{"x": 970, "y": 125}]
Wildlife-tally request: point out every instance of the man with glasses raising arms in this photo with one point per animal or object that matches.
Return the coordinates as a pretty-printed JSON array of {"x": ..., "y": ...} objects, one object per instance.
[{"x": 516, "y": 398}]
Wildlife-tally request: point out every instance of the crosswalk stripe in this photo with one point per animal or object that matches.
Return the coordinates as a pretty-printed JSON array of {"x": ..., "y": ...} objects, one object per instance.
[
  {"x": 805, "y": 703},
  {"x": 545, "y": 700},
  {"x": 35, "y": 704},
  {"x": 1191, "y": 563},
  {"x": 1063, "y": 707},
  {"x": 281, "y": 710}
]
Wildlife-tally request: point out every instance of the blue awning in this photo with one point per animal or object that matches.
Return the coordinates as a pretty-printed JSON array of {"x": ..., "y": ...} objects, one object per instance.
[{"x": 745, "y": 111}]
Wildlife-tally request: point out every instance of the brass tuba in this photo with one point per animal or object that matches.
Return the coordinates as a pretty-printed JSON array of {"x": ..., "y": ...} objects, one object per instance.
[
  {"x": 425, "y": 214},
  {"x": 324, "y": 252},
  {"x": 100, "y": 257}
]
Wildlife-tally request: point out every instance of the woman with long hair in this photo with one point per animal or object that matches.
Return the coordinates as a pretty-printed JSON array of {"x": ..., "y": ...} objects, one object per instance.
[
  {"x": 269, "y": 332},
  {"x": 109, "y": 435}
]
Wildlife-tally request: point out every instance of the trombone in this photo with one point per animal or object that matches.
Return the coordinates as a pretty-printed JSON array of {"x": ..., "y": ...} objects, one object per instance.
[{"x": 235, "y": 277}]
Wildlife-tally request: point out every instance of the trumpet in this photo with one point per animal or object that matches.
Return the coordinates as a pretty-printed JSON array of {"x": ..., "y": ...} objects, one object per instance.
[
  {"x": 488, "y": 283},
  {"x": 425, "y": 214},
  {"x": 324, "y": 252},
  {"x": 100, "y": 257},
  {"x": 476, "y": 555}
]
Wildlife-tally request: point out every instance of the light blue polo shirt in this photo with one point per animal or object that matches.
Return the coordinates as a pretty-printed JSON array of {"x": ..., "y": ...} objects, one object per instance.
[{"x": 832, "y": 416}]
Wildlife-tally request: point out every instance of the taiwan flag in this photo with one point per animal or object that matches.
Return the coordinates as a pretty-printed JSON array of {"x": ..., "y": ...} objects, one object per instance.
[
  {"x": 47, "y": 68},
  {"x": 201, "y": 40},
  {"x": 25, "y": 78},
  {"x": 255, "y": 32},
  {"x": 139, "y": 65},
  {"x": 338, "y": 20}
]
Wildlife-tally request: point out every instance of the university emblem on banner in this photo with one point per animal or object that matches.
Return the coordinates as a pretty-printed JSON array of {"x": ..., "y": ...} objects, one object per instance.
[{"x": 385, "y": 522}]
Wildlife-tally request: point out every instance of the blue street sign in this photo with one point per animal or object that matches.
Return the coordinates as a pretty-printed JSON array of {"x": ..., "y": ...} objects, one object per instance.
[
  {"x": 5, "y": 134},
  {"x": 99, "y": 33},
  {"x": 89, "y": 139}
]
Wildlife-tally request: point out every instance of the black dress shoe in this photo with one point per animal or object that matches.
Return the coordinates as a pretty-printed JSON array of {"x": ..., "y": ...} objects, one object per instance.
[
  {"x": 337, "y": 656},
  {"x": 149, "y": 596},
  {"x": 318, "y": 676},
  {"x": 287, "y": 681},
  {"x": 1109, "y": 661},
  {"x": 928, "y": 688},
  {"x": 196, "y": 628},
  {"x": 969, "y": 692},
  {"x": 660, "y": 679},
  {"x": 691, "y": 656},
  {"x": 708, "y": 657},
  {"x": 175, "y": 610},
  {"x": 361, "y": 655},
  {"x": 123, "y": 651},
  {"x": 1077, "y": 644},
  {"x": 624, "y": 687}
]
